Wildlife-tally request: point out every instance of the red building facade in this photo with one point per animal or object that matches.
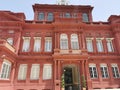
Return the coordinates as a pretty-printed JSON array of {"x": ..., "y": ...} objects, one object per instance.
[{"x": 62, "y": 40}]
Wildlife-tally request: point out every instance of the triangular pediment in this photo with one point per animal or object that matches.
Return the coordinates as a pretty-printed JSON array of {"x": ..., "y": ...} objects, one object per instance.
[{"x": 7, "y": 16}]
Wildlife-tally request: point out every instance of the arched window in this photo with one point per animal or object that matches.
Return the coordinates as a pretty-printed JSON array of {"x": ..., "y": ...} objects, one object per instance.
[
  {"x": 63, "y": 41},
  {"x": 85, "y": 17},
  {"x": 41, "y": 16},
  {"x": 50, "y": 17},
  {"x": 74, "y": 42}
]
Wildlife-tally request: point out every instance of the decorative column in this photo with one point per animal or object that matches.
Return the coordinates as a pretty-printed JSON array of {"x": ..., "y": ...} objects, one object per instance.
[
  {"x": 89, "y": 82},
  {"x": 99, "y": 72},
  {"x": 28, "y": 73},
  {"x": 42, "y": 42},
  {"x": 105, "y": 45},
  {"x": 57, "y": 79},
  {"x": 110, "y": 73},
  {"x": 80, "y": 40},
  {"x": 94, "y": 45}
]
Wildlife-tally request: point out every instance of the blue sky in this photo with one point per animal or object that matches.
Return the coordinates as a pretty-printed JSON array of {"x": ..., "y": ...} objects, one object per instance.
[{"x": 102, "y": 8}]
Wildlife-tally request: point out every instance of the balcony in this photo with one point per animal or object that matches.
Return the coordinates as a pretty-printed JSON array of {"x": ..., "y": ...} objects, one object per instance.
[{"x": 5, "y": 44}]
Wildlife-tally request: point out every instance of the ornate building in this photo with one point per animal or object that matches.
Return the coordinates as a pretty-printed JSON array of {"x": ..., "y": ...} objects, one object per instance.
[{"x": 62, "y": 40}]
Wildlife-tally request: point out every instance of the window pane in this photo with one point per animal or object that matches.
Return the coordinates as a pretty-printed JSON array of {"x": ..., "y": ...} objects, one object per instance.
[
  {"x": 47, "y": 71},
  {"x": 110, "y": 46},
  {"x": 50, "y": 17},
  {"x": 10, "y": 41},
  {"x": 26, "y": 44},
  {"x": 63, "y": 41},
  {"x": 99, "y": 46},
  {"x": 22, "y": 72},
  {"x": 85, "y": 17},
  {"x": 41, "y": 16},
  {"x": 67, "y": 15},
  {"x": 37, "y": 44},
  {"x": 89, "y": 45},
  {"x": 5, "y": 70},
  {"x": 48, "y": 44},
  {"x": 35, "y": 72},
  {"x": 115, "y": 71},
  {"x": 74, "y": 41},
  {"x": 93, "y": 71}
]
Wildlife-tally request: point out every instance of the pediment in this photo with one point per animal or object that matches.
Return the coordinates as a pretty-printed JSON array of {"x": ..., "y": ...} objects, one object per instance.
[{"x": 7, "y": 16}]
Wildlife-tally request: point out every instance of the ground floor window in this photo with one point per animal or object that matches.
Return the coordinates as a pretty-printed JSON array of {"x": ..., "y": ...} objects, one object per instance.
[
  {"x": 22, "y": 72},
  {"x": 5, "y": 70},
  {"x": 93, "y": 71},
  {"x": 104, "y": 70},
  {"x": 115, "y": 71},
  {"x": 47, "y": 71}
]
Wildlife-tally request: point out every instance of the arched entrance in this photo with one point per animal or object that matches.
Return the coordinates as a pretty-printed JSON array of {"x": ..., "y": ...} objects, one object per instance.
[{"x": 71, "y": 77}]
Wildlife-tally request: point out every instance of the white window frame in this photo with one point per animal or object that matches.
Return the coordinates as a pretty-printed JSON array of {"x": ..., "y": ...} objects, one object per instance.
[
  {"x": 37, "y": 44},
  {"x": 5, "y": 70},
  {"x": 64, "y": 41},
  {"x": 93, "y": 74},
  {"x": 48, "y": 44},
  {"x": 104, "y": 70},
  {"x": 10, "y": 41},
  {"x": 110, "y": 44},
  {"x": 116, "y": 73},
  {"x": 74, "y": 42},
  {"x": 22, "y": 73},
  {"x": 35, "y": 72},
  {"x": 89, "y": 44},
  {"x": 26, "y": 44},
  {"x": 99, "y": 44},
  {"x": 47, "y": 71}
]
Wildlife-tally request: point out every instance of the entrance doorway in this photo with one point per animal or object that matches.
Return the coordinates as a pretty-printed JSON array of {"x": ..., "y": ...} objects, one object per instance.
[{"x": 71, "y": 77}]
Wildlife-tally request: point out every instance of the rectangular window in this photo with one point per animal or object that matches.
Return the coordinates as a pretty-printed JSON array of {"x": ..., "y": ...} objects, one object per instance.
[
  {"x": 99, "y": 44},
  {"x": 74, "y": 42},
  {"x": 115, "y": 71},
  {"x": 35, "y": 70},
  {"x": 47, "y": 71},
  {"x": 48, "y": 44},
  {"x": 26, "y": 44},
  {"x": 89, "y": 44},
  {"x": 104, "y": 70},
  {"x": 5, "y": 70},
  {"x": 37, "y": 44},
  {"x": 109, "y": 44},
  {"x": 41, "y": 16},
  {"x": 93, "y": 71},
  {"x": 10, "y": 41},
  {"x": 22, "y": 72}
]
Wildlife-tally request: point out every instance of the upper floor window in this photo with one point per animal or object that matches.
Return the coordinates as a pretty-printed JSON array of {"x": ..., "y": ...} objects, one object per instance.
[
  {"x": 26, "y": 44},
  {"x": 37, "y": 44},
  {"x": 104, "y": 70},
  {"x": 41, "y": 16},
  {"x": 99, "y": 44},
  {"x": 50, "y": 17},
  {"x": 63, "y": 41},
  {"x": 22, "y": 72},
  {"x": 89, "y": 42},
  {"x": 67, "y": 15},
  {"x": 85, "y": 17},
  {"x": 74, "y": 42},
  {"x": 11, "y": 31},
  {"x": 93, "y": 70},
  {"x": 115, "y": 71},
  {"x": 110, "y": 44},
  {"x": 47, "y": 71},
  {"x": 35, "y": 70},
  {"x": 5, "y": 70},
  {"x": 48, "y": 44},
  {"x": 10, "y": 41}
]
